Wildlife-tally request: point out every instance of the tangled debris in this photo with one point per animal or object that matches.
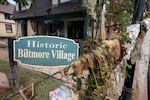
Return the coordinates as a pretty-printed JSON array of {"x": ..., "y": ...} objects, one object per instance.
[
  {"x": 100, "y": 63},
  {"x": 101, "y": 70}
]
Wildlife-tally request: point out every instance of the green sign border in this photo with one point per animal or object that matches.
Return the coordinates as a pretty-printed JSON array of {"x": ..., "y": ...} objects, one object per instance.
[{"x": 54, "y": 37}]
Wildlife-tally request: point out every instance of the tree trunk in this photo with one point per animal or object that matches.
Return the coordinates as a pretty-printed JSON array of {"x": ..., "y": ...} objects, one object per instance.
[{"x": 102, "y": 26}]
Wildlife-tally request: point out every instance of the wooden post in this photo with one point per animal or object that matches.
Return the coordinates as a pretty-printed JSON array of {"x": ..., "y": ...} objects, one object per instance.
[
  {"x": 92, "y": 28},
  {"x": 148, "y": 82},
  {"x": 85, "y": 26},
  {"x": 12, "y": 64}
]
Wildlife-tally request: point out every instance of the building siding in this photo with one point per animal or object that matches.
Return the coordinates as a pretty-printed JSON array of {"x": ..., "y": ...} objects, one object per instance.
[
  {"x": 3, "y": 21},
  {"x": 30, "y": 30}
]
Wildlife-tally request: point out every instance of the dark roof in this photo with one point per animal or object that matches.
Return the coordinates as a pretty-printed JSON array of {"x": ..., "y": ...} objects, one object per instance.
[
  {"x": 67, "y": 8},
  {"x": 7, "y": 8},
  {"x": 38, "y": 8},
  {"x": 43, "y": 8}
]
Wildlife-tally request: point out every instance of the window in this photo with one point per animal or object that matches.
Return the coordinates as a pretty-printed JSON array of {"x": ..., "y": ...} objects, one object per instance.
[
  {"x": 76, "y": 0},
  {"x": 24, "y": 27},
  {"x": 63, "y": 1},
  {"x": 8, "y": 28},
  {"x": 57, "y": 2},
  {"x": 75, "y": 29},
  {"x": 54, "y": 2},
  {"x": 7, "y": 16}
]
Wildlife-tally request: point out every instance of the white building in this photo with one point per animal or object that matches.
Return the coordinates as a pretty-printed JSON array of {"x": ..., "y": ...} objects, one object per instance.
[{"x": 7, "y": 25}]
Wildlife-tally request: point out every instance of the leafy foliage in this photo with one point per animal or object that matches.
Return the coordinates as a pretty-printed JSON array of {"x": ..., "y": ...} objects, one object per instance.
[
  {"x": 23, "y": 2},
  {"x": 120, "y": 11},
  {"x": 3, "y": 2}
]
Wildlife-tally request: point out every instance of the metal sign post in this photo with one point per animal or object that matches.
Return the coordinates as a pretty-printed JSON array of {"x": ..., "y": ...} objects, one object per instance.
[{"x": 12, "y": 64}]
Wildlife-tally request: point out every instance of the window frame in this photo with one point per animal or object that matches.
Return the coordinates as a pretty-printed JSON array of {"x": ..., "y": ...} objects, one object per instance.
[
  {"x": 8, "y": 28},
  {"x": 60, "y": 1},
  {"x": 7, "y": 16}
]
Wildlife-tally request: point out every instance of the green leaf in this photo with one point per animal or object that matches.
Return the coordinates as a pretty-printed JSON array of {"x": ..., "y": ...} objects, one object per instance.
[
  {"x": 22, "y": 2},
  {"x": 5, "y": 2}
]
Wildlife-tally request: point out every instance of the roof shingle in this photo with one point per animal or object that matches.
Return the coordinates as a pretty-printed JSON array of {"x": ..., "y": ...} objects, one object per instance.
[
  {"x": 7, "y": 8},
  {"x": 45, "y": 8}
]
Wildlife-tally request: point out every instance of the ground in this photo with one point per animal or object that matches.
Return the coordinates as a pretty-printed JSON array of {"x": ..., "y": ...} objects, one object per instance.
[
  {"x": 3, "y": 54},
  {"x": 44, "y": 83}
]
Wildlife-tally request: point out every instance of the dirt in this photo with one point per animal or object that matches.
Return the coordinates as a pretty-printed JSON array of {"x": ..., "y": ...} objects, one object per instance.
[{"x": 4, "y": 54}]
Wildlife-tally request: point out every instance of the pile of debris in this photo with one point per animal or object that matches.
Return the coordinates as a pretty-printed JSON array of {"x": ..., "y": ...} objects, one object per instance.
[{"x": 101, "y": 70}]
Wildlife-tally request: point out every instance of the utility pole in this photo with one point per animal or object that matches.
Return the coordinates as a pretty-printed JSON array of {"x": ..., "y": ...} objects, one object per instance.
[{"x": 138, "y": 10}]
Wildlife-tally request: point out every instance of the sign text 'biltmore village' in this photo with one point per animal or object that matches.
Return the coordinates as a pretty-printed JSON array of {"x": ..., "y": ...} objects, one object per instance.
[
  {"x": 46, "y": 49},
  {"x": 58, "y": 54}
]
